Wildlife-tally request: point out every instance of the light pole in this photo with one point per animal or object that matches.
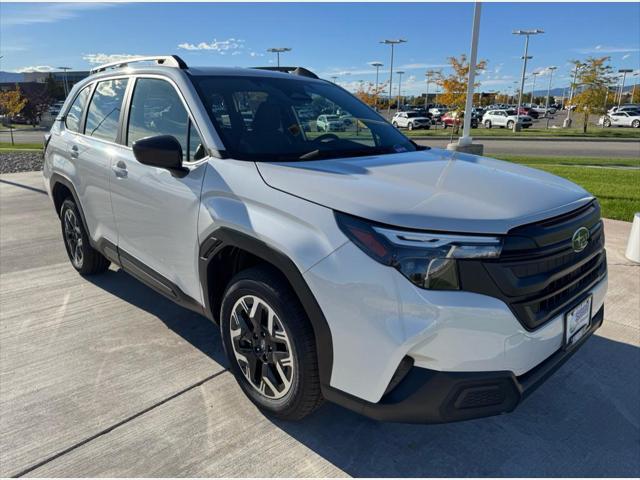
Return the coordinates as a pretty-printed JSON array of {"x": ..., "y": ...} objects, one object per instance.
[
  {"x": 533, "y": 87},
  {"x": 465, "y": 140},
  {"x": 633, "y": 90},
  {"x": 567, "y": 121},
  {"x": 278, "y": 51},
  {"x": 527, "y": 34},
  {"x": 624, "y": 72},
  {"x": 393, "y": 43},
  {"x": 377, "y": 66},
  {"x": 64, "y": 79},
  {"x": 400, "y": 73},
  {"x": 546, "y": 103},
  {"x": 429, "y": 74}
]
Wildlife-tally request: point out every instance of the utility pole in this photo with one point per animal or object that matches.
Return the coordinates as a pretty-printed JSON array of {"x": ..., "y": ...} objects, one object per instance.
[
  {"x": 525, "y": 57},
  {"x": 393, "y": 43},
  {"x": 377, "y": 66},
  {"x": 546, "y": 104},
  {"x": 278, "y": 51}
]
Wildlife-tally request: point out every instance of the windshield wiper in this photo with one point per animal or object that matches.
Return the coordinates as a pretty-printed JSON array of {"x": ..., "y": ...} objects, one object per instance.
[{"x": 318, "y": 154}]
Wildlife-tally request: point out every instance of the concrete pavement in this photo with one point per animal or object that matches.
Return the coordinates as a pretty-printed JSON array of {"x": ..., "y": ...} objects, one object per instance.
[{"x": 103, "y": 377}]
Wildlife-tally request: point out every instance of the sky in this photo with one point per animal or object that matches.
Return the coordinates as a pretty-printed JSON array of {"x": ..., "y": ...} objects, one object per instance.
[{"x": 330, "y": 39}]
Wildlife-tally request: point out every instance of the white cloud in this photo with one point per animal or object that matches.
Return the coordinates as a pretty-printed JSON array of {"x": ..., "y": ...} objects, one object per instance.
[
  {"x": 607, "y": 49},
  {"x": 100, "y": 58},
  {"x": 36, "y": 68},
  {"x": 256, "y": 54},
  {"x": 48, "y": 13},
  {"x": 624, "y": 57},
  {"x": 222, "y": 47},
  {"x": 371, "y": 71}
]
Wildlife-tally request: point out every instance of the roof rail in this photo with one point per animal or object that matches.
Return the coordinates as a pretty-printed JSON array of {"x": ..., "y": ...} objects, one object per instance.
[
  {"x": 303, "y": 72},
  {"x": 165, "y": 60}
]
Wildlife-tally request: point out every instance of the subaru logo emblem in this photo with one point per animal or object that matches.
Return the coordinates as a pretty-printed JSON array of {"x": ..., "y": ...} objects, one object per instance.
[{"x": 580, "y": 239}]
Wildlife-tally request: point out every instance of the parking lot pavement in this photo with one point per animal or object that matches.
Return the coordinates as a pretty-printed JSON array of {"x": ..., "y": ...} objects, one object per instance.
[{"x": 103, "y": 377}]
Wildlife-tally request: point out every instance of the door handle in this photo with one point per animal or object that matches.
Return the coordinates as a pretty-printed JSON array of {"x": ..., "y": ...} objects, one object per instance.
[
  {"x": 74, "y": 151},
  {"x": 120, "y": 169}
]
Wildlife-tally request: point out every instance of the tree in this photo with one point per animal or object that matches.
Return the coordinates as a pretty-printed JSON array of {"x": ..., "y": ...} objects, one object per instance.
[
  {"x": 38, "y": 101},
  {"x": 454, "y": 85},
  {"x": 592, "y": 84},
  {"x": 371, "y": 93},
  {"x": 11, "y": 103}
]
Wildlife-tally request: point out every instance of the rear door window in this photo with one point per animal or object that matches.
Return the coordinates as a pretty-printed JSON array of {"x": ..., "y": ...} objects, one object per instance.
[
  {"x": 104, "y": 110},
  {"x": 74, "y": 115}
]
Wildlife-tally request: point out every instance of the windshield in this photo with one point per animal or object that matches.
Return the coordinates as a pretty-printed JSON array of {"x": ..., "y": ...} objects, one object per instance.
[{"x": 281, "y": 119}]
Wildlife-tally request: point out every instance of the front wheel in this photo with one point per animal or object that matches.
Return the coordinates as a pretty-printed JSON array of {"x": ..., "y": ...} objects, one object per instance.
[
  {"x": 84, "y": 258},
  {"x": 487, "y": 124},
  {"x": 411, "y": 126},
  {"x": 270, "y": 344},
  {"x": 606, "y": 122},
  {"x": 395, "y": 124},
  {"x": 635, "y": 124},
  {"x": 510, "y": 124}
]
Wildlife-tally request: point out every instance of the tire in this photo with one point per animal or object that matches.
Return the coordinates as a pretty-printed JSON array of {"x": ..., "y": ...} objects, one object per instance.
[
  {"x": 410, "y": 126},
  {"x": 606, "y": 122},
  {"x": 84, "y": 258},
  {"x": 635, "y": 124},
  {"x": 395, "y": 124},
  {"x": 510, "y": 124},
  {"x": 291, "y": 388},
  {"x": 487, "y": 124}
]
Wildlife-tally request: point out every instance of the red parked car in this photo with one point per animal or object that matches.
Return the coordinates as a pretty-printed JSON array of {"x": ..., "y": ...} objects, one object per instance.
[
  {"x": 450, "y": 119},
  {"x": 528, "y": 111}
]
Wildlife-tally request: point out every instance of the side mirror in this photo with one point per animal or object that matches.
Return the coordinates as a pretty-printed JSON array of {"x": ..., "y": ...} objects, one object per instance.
[{"x": 162, "y": 151}]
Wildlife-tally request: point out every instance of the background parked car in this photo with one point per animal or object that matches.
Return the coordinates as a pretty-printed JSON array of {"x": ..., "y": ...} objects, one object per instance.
[
  {"x": 329, "y": 123},
  {"x": 410, "y": 120},
  {"x": 630, "y": 118},
  {"x": 451, "y": 119},
  {"x": 505, "y": 118}
]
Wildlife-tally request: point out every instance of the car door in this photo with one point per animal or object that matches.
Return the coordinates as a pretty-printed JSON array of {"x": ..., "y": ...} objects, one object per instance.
[
  {"x": 92, "y": 148},
  {"x": 616, "y": 119},
  {"x": 156, "y": 210}
]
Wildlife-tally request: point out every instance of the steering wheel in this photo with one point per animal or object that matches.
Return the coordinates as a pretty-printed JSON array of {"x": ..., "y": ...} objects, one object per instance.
[{"x": 326, "y": 137}]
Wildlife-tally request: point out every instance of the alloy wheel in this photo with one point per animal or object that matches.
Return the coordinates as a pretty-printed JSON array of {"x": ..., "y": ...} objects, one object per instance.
[
  {"x": 73, "y": 237},
  {"x": 261, "y": 347}
]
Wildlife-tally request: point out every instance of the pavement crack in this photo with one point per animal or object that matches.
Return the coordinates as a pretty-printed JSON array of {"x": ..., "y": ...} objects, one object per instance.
[{"x": 109, "y": 429}]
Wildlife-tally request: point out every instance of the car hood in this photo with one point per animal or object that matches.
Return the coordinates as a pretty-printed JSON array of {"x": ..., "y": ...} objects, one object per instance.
[{"x": 430, "y": 190}]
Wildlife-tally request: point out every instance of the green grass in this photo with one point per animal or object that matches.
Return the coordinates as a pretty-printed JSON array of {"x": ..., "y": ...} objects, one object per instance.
[
  {"x": 7, "y": 147},
  {"x": 595, "y": 132},
  {"x": 579, "y": 161},
  {"x": 617, "y": 189}
]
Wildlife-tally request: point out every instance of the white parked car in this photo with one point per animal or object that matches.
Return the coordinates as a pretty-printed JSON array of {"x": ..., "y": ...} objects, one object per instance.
[
  {"x": 624, "y": 108},
  {"x": 438, "y": 111},
  {"x": 541, "y": 109},
  {"x": 410, "y": 120},
  {"x": 505, "y": 118},
  {"x": 329, "y": 123},
  {"x": 629, "y": 118}
]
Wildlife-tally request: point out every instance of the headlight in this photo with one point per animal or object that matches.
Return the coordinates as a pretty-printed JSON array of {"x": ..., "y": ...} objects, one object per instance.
[{"x": 428, "y": 259}]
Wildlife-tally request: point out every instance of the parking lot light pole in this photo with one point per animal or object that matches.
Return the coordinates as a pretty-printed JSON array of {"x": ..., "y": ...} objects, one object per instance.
[
  {"x": 567, "y": 121},
  {"x": 466, "y": 140},
  {"x": 633, "y": 90},
  {"x": 393, "y": 43},
  {"x": 546, "y": 103},
  {"x": 533, "y": 87},
  {"x": 400, "y": 73},
  {"x": 65, "y": 84},
  {"x": 624, "y": 72},
  {"x": 278, "y": 51},
  {"x": 377, "y": 66},
  {"x": 527, "y": 34},
  {"x": 429, "y": 74}
]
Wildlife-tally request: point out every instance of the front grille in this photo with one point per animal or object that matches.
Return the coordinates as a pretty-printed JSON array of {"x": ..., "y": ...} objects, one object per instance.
[{"x": 539, "y": 274}]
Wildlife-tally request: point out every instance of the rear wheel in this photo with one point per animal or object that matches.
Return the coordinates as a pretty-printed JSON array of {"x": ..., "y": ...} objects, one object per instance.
[
  {"x": 270, "y": 344},
  {"x": 84, "y": 258},
  {"x": 635, "y": 124}
]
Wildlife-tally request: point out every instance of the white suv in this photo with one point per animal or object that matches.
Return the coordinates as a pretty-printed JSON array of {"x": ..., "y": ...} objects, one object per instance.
[
  {"x": 505, "y": 118},
  {"x": 410, "y": 120},
  {"x": 406, "y": 283}
]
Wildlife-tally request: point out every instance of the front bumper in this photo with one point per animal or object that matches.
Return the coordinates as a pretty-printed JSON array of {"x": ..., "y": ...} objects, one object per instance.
[{"x": 429, "y": 396}]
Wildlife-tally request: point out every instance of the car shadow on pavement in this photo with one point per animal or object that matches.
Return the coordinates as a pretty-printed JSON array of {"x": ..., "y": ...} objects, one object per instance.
[
  {"x": 196, "y": 329},
  {"x": 584, "y": 421}
]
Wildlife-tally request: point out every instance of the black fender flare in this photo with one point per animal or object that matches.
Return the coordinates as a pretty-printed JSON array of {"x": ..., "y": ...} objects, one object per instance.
[
  {"x": 225, "y": 237},
  {"x": 57, "y": 178}
]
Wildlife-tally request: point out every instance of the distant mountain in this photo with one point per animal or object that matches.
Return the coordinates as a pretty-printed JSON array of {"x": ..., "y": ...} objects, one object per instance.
[
  {"x": 10, "y": 77},
  {"x": 557, "y": 92}
]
